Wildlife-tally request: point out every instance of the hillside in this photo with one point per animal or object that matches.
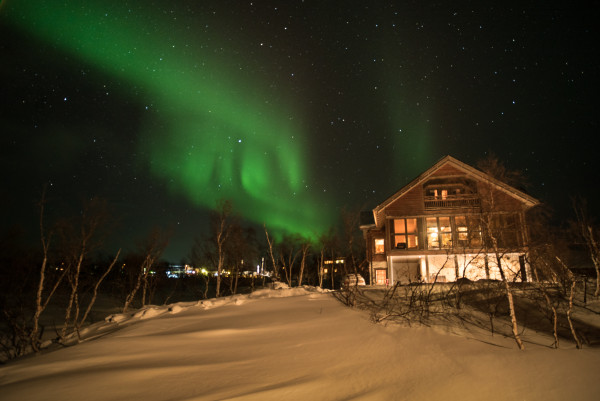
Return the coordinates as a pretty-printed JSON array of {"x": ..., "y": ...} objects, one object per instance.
[{"x": 294, "y": 344}]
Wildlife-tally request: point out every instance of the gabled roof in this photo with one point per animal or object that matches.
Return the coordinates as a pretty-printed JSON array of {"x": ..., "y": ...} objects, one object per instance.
[{"x": 526, "y": 199}]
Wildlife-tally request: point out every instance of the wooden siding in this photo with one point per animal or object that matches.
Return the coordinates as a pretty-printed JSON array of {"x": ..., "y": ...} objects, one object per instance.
[
  {"x": 495, "y": 200},
  {"x": 409, "y": 204},
  {"x": 370, "y": 236},
  {"x": 447, "y": 169}
]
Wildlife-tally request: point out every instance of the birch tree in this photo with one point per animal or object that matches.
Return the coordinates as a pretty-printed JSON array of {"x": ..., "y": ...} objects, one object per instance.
[
  {"x": 590, "y": 237},
  {"x": 304, "y": 250},
  {"x": 79, "y": 322},
  {"x": 491, "y": 208},
  {"x": 328, "y": 247},
  {"x": 41, "y": 300},
  {"x": 289, "y": 249},
  {"x": 151, "y": 250},
  {"x": 78, "y": 240},
  {"x": 272, "y": 250},
  {"x": 220, "y": 228}
]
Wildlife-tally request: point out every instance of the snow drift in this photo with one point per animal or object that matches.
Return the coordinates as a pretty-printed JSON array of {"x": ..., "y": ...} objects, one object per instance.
[{"x": 291, "y": 344}]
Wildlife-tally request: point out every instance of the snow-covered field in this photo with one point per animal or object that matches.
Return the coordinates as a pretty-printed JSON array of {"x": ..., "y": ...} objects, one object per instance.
[{"x": 293, "y": 344}]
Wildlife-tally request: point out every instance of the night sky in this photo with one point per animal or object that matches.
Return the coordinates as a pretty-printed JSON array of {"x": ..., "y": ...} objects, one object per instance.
[{"x": 291, "y": 109}]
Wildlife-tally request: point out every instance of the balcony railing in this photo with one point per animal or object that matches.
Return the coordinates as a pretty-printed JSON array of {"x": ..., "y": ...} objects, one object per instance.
[{"x": 451, "y": 201}]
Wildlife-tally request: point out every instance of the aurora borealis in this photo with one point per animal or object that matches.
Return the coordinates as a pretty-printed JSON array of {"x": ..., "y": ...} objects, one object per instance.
[
  {"x": 292, "y": 110},
  {"x": 211, "y": 139}
]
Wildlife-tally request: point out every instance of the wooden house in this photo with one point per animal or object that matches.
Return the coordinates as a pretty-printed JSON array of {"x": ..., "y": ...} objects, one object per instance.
[{"x": 450, "y": 222}]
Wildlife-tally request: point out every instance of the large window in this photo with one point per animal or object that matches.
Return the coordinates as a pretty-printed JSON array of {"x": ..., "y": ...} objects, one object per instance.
[
  {"x": 379, "y": 245},
  {"x": 447, "y": 232},
  {"x": 439, "y": 232},
  {"x": 405, "y": 235},
  {"x": 433, "y": 239},
  {"x": 468, "y": 231},
  {"x": 474, "y": 227},
  {"x": 462, "y": 231}
]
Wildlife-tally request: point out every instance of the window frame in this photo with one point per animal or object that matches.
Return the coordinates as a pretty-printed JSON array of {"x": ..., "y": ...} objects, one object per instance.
[
  {"x": 442, "y": 235},
  {"x": 406, "y": 236}
]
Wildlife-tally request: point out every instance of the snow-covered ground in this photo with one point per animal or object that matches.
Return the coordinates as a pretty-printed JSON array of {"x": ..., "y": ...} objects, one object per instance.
[{"x": 293, "y": 344}]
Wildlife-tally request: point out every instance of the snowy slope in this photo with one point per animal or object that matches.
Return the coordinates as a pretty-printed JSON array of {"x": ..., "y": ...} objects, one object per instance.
[{"x": 291, "y": 344}]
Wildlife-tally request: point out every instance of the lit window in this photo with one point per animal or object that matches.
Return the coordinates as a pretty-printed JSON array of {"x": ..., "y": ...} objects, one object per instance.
[
  {"x": 438, "y": 193},
  {"x": 405, "y": 234},
  {"x": 445, "y": 232},
  {"x": 474, "y": 227},
  {"x": 433, "y": 241},
  {"x": 462, "y": 232},
  {"x": 379, "y": 245},
  {"x": 380, "y": 276},
  {"x": 439, "y": 232}
]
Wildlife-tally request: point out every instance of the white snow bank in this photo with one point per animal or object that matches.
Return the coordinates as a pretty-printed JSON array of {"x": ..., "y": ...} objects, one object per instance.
[{"x": 291, "y": 344}]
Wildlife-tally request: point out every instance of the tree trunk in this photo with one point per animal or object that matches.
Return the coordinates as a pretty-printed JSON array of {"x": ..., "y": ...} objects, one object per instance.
[
  {"x": 74, "y": 289},
  {"x": 219, "y": 270},
  {"x": 571, "y": 295},
  {"x": 569, "y": 311},
  {"x": 94, "y": 295},
  {"x": 595, "y": 254},
  {"x": 38, "y": 303},
  {"x": 321, "y": 268},
  {"x": 144, "y": 290},
  {"x": 542, "y": 288},
  {"x": 511, "y": 304},
  {"x": 237, "y": 276},
  {"x": 206, "y": 285},
  {"x": 270, "y": 244},
  {"x": 301, "y": 273},
  {"x": 513, "y": 317},
  {"x": 305, "y": 248},
  {"x": 144, "y": 268}
]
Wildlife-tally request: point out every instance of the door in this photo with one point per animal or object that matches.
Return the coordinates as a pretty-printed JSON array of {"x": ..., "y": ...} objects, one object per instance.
[
  {"x": 380, "y": 276},
  {"x": 406, "y": 270}
]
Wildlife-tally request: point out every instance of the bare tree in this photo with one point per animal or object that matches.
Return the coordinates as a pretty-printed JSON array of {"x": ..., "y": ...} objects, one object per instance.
[
  {"x": 19, "y": 267},
  {"x": 240, "y": 250},
  {"x": 321, "y": 266},
  {"x": 554, "y": 280},
  {"x": 40, "y": 302},
  {"x": 541, "y": 263},
  {"x": 220, "y": 229},
  {"x": 289, "y": 249},
  {"x": 304, "y": 250},
  {"x": 491, "y": 208},
  {"x": 151, "y": 250},
  {"x": 328, "y": 248},
  {"x": 352, "y": 239},
  {"x": 542, "y": 257},
  {"x": 272, "y": 253},
  {"x": 78, "y": 241},
  {"x": 79, "y": 322},
  {"x": 590, "y": 237},
  {"x": 201, "y": 254}
]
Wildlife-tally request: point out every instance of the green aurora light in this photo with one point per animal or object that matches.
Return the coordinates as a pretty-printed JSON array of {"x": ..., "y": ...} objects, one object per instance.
[
  {"x": 210, "y": 134},
  {"x": 410, "y": 115}
]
